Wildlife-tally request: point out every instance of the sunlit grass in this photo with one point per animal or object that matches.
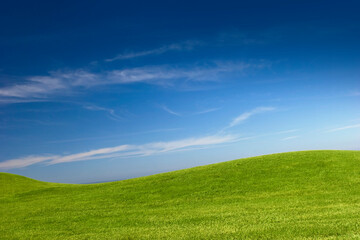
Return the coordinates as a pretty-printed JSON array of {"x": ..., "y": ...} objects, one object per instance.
[{"x": 299, "y": 195}]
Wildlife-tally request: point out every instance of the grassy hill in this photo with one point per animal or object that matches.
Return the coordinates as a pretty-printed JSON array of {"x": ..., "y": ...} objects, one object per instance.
[
  {"x": 11, "y": 184},
  {"x": 298, "y": 195}
]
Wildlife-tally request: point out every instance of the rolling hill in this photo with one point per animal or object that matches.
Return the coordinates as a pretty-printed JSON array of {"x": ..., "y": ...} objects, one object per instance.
[{"x": 296, "y": 195}]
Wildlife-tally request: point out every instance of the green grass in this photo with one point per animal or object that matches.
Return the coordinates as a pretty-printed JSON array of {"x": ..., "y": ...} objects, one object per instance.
[{"x": 298, "y": 195}]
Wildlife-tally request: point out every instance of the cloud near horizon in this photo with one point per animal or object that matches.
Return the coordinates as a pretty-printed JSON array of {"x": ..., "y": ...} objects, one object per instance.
[
  {"x": 127, "y": 150},
  {"x": 120, "y": 151},
  {"x": 344, "y": 128}
]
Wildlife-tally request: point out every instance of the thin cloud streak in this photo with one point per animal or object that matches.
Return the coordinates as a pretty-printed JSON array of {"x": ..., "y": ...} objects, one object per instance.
[
  {"x": 344, "y": 128},
  {"x": 36, "y": 87},
  {"x": 24, "y": 162},
  {"x": 138, "y": 150},
  {"x": 187, "y": 45},
  {"x": 115, "y": 136},
  {"x": 207, "y": 111},
  {"x": 12, "y": 100},
  {"x": 59, "y": 82},
  {"x": 120, "y": 151},
  {"x": 289, "y": 138},
  {"x": 241, "y": 118},
  {"x": 166, "y": 109},
  {"x": 97, "y": 154},
  {"x": 287, "y": 131},
  {"x": 111, "y": 112}
]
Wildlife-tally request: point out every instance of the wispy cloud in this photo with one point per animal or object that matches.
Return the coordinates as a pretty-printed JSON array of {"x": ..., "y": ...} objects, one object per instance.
[
  {"x": 65, "y": 82},
  {"x": 111, "y": 112},
  {"x": 12, "y": 100},
  {"x": 116, "y": 136},
  {"x": 241, "y": 118},
  {"x": 186, "y": 45},
  {"x": 289, "y": 138},
  {"x": 120, "y": 151},
  {"x": 229, "y": 38},
  {"x": 24, "y": 162},
  {"x": 166, "y": 109},
  {"x": 207, "y": 111},
  {"x": 344, "y": 128},
  {"x": 161, "y": 75},
  {"x": 35, "y": 87},
  {"x": 93, "y": 154},
  {"x": 127, "y": 150},
  {"x": 287, "y": 131}
]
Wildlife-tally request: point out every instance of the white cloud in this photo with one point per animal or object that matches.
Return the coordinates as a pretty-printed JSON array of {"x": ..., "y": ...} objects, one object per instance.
[
  {"x": 161, "y": 75},
  {"x": 344, "y": 128},
  {"x": 12, "y": 100},
  {"x": 287, "y": 131},
  {"x": 153, "y": 75},
  {"x": 98, "y": 154},
  {"x": 138, "y": 150},
  {"x": 61, "y": 83},
  {"x": 121, "y": 151},
  {"x": 289, "y": 138},
  {"x": 111, "y": 112},
  {"x": 207, "y": 111},
  {"x": 187, "y": 45},
  {"x": 35, "y": 87},
  {"x": 116, "y": 136},
  {"x": 239, "y": 119},
  {"x": 165, "y": 108},
  {"x": 24, "y": 162},
  {"x": 190, "y": 142}
]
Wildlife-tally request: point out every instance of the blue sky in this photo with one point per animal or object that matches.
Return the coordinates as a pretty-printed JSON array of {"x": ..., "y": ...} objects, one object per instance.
[{"x": 97, "y": 91}]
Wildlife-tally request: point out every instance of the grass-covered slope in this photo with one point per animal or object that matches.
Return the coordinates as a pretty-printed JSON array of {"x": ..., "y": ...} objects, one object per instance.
[
  {"x": 299, "y": 195},
  {"x": 11, "y": 184}
]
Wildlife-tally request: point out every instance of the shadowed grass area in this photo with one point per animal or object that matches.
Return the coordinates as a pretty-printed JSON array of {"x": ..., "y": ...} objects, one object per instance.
[
  {"x": 297, "y": 195},
  {"x": 11, "y": 184}
]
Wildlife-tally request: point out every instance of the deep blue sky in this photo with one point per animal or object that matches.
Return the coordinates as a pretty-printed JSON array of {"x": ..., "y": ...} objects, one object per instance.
[{"x": 105, "y": 90}]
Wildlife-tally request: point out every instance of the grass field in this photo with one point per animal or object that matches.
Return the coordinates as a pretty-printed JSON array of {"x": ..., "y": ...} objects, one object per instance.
[{"x": 298, "y": 195}]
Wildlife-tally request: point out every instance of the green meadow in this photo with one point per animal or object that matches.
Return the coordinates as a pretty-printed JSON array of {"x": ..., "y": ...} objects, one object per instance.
[{"x": 296, "y": 195}]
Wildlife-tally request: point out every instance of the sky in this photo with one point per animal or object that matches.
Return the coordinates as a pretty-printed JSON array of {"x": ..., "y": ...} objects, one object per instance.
[{"x": 94, "y": 91}]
